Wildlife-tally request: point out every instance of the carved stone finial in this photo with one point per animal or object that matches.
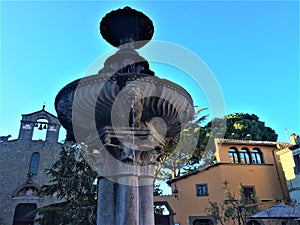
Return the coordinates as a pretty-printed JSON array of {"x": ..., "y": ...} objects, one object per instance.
[{"x": 126, "y": 27}]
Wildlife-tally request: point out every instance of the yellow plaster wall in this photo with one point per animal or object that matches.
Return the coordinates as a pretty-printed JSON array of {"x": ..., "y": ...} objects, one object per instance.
[{"x": 269, "y": 184}]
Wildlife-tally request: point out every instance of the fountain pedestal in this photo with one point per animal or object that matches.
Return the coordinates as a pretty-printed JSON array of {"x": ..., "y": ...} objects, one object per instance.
[
  {"x": 125, "y": 194},
  {"x": 125, "y": 204}
]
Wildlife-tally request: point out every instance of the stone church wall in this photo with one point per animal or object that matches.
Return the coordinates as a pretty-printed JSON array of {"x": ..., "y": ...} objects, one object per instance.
[{"x": 17, "y": 184}]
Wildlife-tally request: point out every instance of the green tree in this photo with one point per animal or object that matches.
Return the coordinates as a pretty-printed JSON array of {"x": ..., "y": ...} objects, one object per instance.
[
  {"x": 158, "y": 210},
  {"x": 179, "y": 150},
  {"x": 232, "y": 210},
  {"x": 71, "y": 182},
  {"x": 157, "y": 191},
  {"x": 238, "y": 126}
]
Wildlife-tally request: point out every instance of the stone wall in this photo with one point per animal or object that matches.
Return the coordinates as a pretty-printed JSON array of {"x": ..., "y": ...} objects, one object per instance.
[
  {"x": 14, "y": 166},
  {"x": 15, "y": 159}
]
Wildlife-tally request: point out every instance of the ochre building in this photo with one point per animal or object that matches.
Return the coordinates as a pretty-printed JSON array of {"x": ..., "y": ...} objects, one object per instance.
[{"x": 252, "y": 164}]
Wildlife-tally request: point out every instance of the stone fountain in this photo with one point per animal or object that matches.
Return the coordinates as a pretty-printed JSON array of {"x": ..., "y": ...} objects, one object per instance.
[{"x": 122, "y": 117}]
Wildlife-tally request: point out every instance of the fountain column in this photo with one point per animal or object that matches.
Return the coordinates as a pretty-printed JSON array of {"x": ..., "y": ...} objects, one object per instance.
[
  {"x": 106, "y": 190},
  {"x": 146, "y": 203}
]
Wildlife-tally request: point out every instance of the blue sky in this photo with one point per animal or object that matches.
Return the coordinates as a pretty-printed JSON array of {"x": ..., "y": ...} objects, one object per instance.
[{"x": 252, "y": 48}]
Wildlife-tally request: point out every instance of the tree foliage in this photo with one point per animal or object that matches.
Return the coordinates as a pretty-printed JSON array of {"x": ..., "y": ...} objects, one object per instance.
[
  {"x": 194, "y": 146},
  {"x": 71, "y": 182},
  {"x": 232, "y": 210},
  {"x": 179, "y": 150},
  {"x": 157, "y": 191}
]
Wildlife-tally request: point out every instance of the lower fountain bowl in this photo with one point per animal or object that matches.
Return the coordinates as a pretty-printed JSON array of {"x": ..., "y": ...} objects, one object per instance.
[{"x": 91, "y": 103}]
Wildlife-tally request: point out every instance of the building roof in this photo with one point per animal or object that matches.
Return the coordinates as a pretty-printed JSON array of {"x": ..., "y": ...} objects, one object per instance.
[
  {"x": 293, "y": 147},
  {"x": 42, "y": 110},
  {"x": 248, "y": 142},
  {"x": 201, "y": 169},
  {"x": 279, "y": 211}
]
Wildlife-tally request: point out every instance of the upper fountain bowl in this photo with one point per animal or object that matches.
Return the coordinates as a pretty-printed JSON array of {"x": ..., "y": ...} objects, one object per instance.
[{"x": 126, "y": 26}]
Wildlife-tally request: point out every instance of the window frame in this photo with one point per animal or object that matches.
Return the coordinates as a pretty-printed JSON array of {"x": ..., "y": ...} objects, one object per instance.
[
  {"x": 248, "y": 197},
  {"x": 193, "y": 219},
  {"x": 245, "y": 155},
  {"x": 254, "y": 156},
  {"x": 34, "y": 163},
  {"x": 233, "y": 154},
  {"x": 205, "y": 193}
]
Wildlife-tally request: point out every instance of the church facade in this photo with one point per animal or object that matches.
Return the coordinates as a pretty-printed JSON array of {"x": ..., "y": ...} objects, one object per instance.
[{"x": 22, "y": 167}]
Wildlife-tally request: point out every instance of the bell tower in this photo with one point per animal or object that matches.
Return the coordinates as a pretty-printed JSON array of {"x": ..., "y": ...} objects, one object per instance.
[{"x": 39, "y": 121}]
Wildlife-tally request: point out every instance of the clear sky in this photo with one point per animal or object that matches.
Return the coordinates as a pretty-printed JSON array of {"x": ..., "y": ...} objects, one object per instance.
[{"x": 252, "y": 48}]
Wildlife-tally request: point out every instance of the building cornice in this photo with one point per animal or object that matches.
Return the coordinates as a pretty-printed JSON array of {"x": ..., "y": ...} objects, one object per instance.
[{"x": 249, "y": 142}]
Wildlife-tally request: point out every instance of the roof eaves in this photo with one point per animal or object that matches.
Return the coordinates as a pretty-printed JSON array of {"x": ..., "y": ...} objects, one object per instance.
[
  {"x": 249, "y": 142},
  {"x": 201, "y": 169},
  {"x": 293, "y": 147},
  {"x": 42, "y": 110}
]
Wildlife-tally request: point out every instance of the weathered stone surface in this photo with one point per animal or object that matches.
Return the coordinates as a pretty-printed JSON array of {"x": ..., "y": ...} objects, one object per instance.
[
  {"x": 123, "y": 26},
  {"x": 15, "y": 161}
]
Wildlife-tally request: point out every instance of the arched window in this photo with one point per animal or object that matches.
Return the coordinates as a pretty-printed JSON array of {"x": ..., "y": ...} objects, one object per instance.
[
  {"x": 22, "y": 212},
  {"x": 257, "y": 156},
  {"x": 40, "y": 130},
  {"x": 163, "y": 213},
  {"x": 245, "y": 156},
  {"x": 34, "y": 163},
  {"x": 233, "y": 155}
]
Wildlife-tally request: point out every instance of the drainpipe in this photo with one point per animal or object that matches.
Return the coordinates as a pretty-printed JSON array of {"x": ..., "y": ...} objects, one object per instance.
[{"x": 278, "y": 176}]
